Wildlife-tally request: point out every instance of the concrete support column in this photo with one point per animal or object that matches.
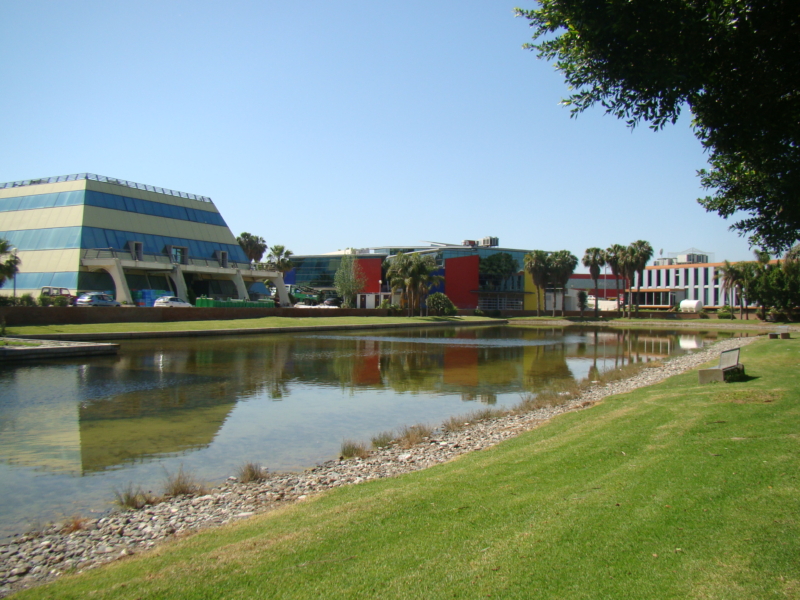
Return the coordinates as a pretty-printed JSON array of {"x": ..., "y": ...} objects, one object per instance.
[
  {"x": 283, "y": 295},
  {"x": 179, "y": 281},
  {"x": 241, "y": 288},
  {"x": 120, "y": 283}
]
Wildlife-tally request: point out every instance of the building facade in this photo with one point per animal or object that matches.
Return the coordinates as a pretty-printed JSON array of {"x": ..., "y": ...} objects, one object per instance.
[{"x": 88, "y": 232}]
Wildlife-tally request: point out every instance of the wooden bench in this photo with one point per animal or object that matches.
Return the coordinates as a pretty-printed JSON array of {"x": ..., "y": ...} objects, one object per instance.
[{"x": 729, "y": 366}]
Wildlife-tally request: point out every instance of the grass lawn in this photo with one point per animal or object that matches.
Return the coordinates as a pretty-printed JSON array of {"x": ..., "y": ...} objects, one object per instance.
[
  {"x": 673, "y": 491},
  {"x": 230, "y": 324}
]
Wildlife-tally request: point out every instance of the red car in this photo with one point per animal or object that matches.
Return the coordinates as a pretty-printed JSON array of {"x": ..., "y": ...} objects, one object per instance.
[{"x": 55, "y": 292}]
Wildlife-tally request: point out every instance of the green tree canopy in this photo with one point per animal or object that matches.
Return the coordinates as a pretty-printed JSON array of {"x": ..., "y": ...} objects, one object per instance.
[
  {"x": 498, "y": 267},
  {"x": 734, "y": 63},
  {"x": 281, "y": 258},
  {"x": 349, "y": 280},
  {"x": 254, "y": 246},
  {"x": 9, "y": 261}
]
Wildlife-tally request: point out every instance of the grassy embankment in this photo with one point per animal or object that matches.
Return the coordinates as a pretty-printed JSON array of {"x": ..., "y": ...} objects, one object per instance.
[
  {"x": 231, "y": 324},
  {"x": 673, "y": 491}
]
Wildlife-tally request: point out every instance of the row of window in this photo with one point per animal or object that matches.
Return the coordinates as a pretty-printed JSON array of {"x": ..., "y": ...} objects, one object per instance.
[
  {"x": 655, "y": 277},
  {"x": 114, "y": 202},
  {"x": 61, "y": 238}
]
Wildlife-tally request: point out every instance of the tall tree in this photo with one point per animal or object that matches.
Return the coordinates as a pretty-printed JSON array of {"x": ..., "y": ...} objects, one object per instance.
[
  {"x": 9, "y": 261},
  {"x": 614, "y": 255},
  {"x": 498, "y": 267},
  {"x": 595, "y": 259},
  {"x": 537, "y": 264},
  {"x": 253, "y": 246},
  {"x": 413, "y": 274},
  {"x": 349, "y": 280},
  {"x": 628, "y": 264},
  {"x": 734, "y": 63},
  {"x": 281, "y": 258},
  {"x": 642, "y": 252},
  {"x": 563, "y": 265}
]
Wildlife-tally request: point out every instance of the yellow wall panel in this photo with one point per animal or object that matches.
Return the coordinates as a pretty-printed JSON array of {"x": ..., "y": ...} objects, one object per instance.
[
  {"x": 47, "y": 261},
  {"x": 42, "y": 218},
  {"x": 46, "y": 188}
]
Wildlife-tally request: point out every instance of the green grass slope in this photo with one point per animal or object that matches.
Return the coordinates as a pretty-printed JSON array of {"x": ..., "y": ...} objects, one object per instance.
[
  {"x": 673, "y": 491},
  {"x": 232, "y": 324}
]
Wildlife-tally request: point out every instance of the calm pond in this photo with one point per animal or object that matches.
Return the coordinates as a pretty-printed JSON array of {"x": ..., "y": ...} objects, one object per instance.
[{"x": 73, "y": 431}]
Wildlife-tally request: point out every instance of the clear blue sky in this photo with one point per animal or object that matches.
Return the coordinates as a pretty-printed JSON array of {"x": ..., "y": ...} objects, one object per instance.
[{"x": 322, "y": 125}]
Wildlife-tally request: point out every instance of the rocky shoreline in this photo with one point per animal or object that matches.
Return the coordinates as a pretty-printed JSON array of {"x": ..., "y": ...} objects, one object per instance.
[{"x": 33, "y": 558}]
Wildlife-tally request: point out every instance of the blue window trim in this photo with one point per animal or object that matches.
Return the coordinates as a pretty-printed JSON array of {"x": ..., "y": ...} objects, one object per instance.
[{"x": 113, "y": 202}]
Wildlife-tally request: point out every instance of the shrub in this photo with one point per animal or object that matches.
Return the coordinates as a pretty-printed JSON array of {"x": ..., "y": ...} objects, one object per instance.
[
  {"x": 440, "y": 304},
  {"x": 726, "y": 312},
  {"x": 383, "y": 439},
  {"x": 414, "y": 434},
  {"x": 27, "y": 300},
  {"x": 130, "y": 498},
  {"x": 6, "y": 301},
  {"x": 351, "y": 449},
  {"x": 74, "y": 523},
  {"x": 251, "y": 471},
  {"x": 704, "y": 314},
  {"x": 181, "y": 484},
  {"x": 478, "y": 312},
  {"x": 776, "y": 314},
  {"x": 60, "y": 301},
  {"x": 385, "y": 304},
  {"x": 45, "y": 300},
  {"x": 458, "y": 422}
]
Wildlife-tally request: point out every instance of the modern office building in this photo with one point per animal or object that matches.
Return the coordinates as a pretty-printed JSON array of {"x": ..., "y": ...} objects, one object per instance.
[
  {"x": 88, "y": 232},
  {"x": 457, "y": 264}
]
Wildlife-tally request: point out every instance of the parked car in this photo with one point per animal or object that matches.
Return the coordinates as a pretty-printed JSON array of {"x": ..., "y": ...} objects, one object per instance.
[
  {"x": 96, "y": 299},
  {"x": 171, "y": 301},
  {"x": 333, "y": 302},
  {"x": 55, "y": 292}
]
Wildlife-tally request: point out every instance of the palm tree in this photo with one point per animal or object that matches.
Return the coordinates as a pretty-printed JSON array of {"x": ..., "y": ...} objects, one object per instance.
[
  {"x": 537, "y": 264},
  {"x": 563, "y": 265},
  {"x": 613, "y": 256},
  {"x": 10, "y": 266},
  {"x": 642, "y": 253},
  {"x": 413, "y": 275},
  {"x": 280, "y": 257},
  {"x": 595, "y": 259},
  {"x": 397, "y": 268},
  {"x": 731, "y": 278},
  {"x": 254, "y": 246},
  {"x": 627, "y": 267}
]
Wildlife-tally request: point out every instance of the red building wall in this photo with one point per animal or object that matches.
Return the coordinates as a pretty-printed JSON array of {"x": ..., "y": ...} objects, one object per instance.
[
  {"x": 461, "y": 280},
  {"x": 371, "y": 267}
]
